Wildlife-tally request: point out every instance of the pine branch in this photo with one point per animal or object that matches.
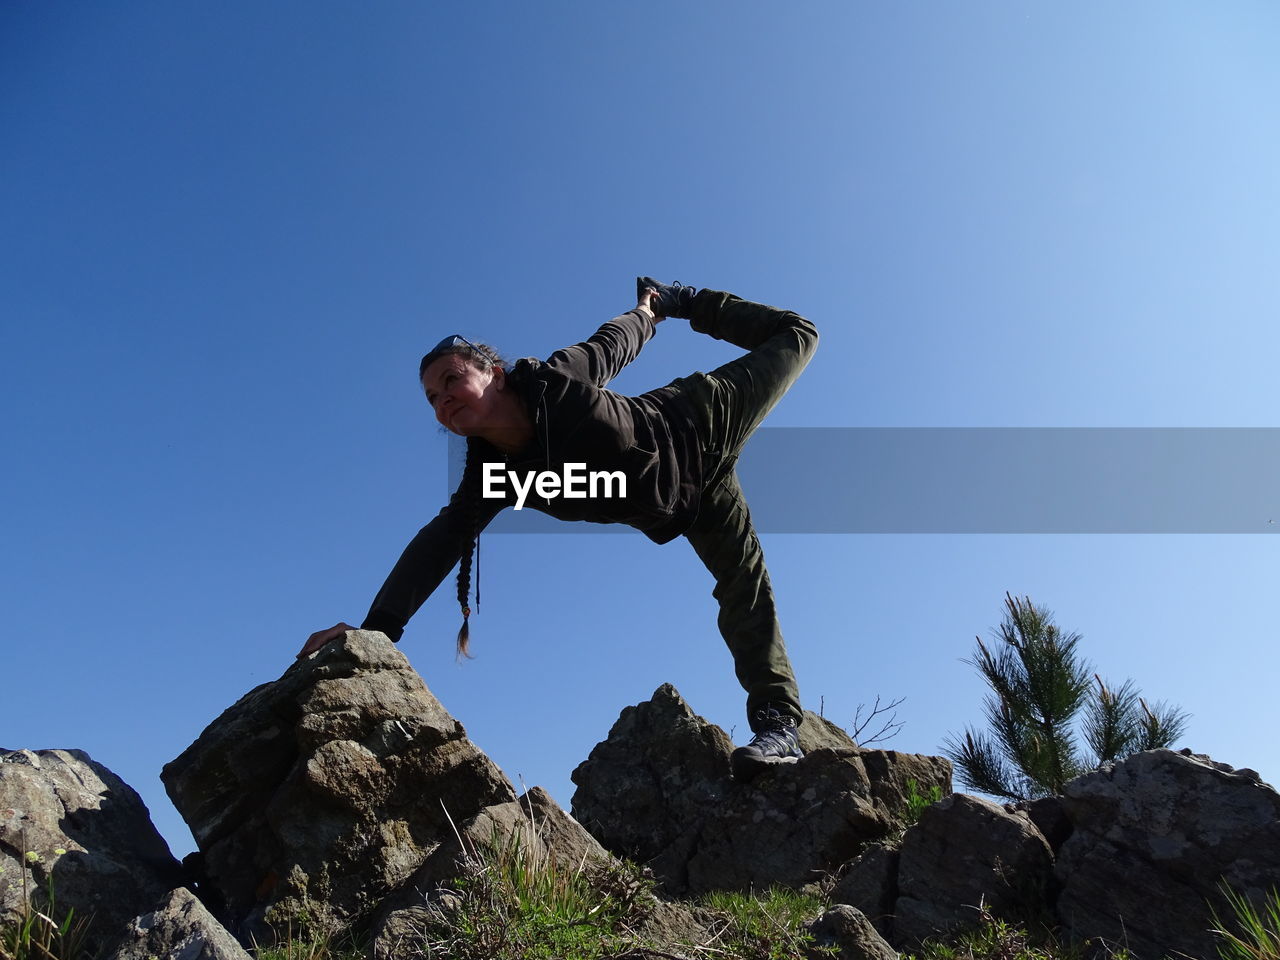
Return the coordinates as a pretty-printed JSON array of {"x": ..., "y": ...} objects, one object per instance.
[
  {"x": 1110, "y": 727},
  {"x": 1160, "y": 726},
  {"x": 980, "y": 766},
  {"x": 1039, "y": 684}
]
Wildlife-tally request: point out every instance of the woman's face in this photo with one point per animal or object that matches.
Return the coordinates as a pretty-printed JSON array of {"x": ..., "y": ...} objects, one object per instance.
[{"x": 462, "y": 395}]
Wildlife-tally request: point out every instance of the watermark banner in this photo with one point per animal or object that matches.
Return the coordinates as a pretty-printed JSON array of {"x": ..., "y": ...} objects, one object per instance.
[{"x": 991, "y": 480}]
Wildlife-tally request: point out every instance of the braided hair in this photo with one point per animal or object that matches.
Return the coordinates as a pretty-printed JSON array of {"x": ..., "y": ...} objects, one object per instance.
[
  {"x": 483, "y": 357},
  {"x": 469, "y": 502}
]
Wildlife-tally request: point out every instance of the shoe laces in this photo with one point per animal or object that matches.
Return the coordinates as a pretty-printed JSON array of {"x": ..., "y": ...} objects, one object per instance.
[{"x": 775, "y": 729}]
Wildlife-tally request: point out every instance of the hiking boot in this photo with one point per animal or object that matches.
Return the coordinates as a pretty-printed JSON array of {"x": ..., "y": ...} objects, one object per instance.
[
  {"x": 673, "y": 300},
  {"x": 776, "y": 740}
]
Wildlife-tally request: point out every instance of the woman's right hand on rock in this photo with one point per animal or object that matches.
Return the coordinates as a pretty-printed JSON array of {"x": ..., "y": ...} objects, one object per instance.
[{"x": 321, "y": 637}]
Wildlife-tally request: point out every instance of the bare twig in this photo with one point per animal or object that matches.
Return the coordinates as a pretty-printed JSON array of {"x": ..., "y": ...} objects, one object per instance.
[{"x": 889, "y": 727}]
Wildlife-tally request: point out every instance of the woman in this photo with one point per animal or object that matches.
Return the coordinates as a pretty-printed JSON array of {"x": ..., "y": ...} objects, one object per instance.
[{"x": 675, "y": 449}]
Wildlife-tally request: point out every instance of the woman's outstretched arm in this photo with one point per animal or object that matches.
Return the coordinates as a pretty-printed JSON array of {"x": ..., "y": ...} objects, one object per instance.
[
  {"x": 425, "y": 562},
  {"x": 602, "y": 356}
]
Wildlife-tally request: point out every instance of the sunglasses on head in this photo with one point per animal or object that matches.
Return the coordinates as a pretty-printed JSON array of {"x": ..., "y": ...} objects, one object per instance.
[
  {"x": 445, "y": 345},
  {"x": 453, "y": 341}
]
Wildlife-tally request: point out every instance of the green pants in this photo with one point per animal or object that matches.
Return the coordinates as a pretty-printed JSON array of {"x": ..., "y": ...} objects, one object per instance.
[{"x": 729, "y": 403}]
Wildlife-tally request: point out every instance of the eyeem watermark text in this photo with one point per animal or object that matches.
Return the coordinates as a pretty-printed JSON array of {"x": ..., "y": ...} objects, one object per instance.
[
  {"x": 991, "y": 480},
  {"x": 576, "y": 483}
]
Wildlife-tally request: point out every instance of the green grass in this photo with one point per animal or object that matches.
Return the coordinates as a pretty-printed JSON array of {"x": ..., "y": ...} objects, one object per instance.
[
  {"x": 310, "y": 948},
  {"x": 771, "y": 926},
  {"x": 305, "y": 942},
  {"x": 995, "y": 940},
  {"x": 917, "y": 801},
  {"x": 42, "y": 930},
  {"x": 1256, "y": 933},
  {"x": 37, "y": 935},
  {"x": 998, "y": 939},
  {"x": 515, "y": 904}
]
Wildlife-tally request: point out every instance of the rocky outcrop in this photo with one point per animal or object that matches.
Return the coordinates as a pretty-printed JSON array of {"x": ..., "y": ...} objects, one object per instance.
[
  {"x": 179, "y": 928},
  {"x": 326, "y": 790},
  {"x": 1143, "y": 848},
  {"x": 344, "y": 792},
  {"x": 70, "y": 822},
  {"x": 643, "y": 790},
  {"x": 658, "y": 790},
  {"x": 964, "y": 852},
  {"x": 1154, "y": 838}
]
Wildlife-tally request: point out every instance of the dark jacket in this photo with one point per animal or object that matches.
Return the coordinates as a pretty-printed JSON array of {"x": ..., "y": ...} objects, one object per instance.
[{"x": 651, "y": 439}]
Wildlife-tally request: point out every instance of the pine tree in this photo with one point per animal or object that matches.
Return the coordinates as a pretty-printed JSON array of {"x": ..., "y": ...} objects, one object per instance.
[{"x": 1039, "y": 687}]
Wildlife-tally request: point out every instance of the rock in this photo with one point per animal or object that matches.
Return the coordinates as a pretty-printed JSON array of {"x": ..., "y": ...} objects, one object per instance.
[
  {"x": 679, "y": 926},
  {"x": 819, "y": 733},
  {"x": 180, "y": 928},
  {"x": 1154, "y": 836},
  {"x": 400, "y": 933},
  {"x": 851, "y": 934},
  {"x": 792, "y": 826},
  {"x": 645, "y": 789},
  {"x": 870, "y": 884},
  {"x": 320, "y": 793},
  {"x": 69, "y": 821},
  {"x": 963, "y": 852},
  {"x": 658, "y": 790},
  {"x": 560, "y": 838}
]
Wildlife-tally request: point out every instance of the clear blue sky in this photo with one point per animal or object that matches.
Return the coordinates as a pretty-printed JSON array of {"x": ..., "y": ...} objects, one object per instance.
[{"x": 231, "y": 229}]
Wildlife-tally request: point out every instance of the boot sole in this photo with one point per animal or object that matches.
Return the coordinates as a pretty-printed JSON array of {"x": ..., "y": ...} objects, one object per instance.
[{"x": 747, "y": 768}]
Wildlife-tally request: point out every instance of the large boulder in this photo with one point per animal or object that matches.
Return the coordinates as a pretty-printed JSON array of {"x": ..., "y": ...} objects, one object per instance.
[
  {"x": 318, "y": 794},
  {"x": 659, "y": 790},
  {"x": 644, "y": 791},
  {"x": 1154, "y": 838},
  {"x": 964, "y": 852},
  {"x": 69, "y": 823}
]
